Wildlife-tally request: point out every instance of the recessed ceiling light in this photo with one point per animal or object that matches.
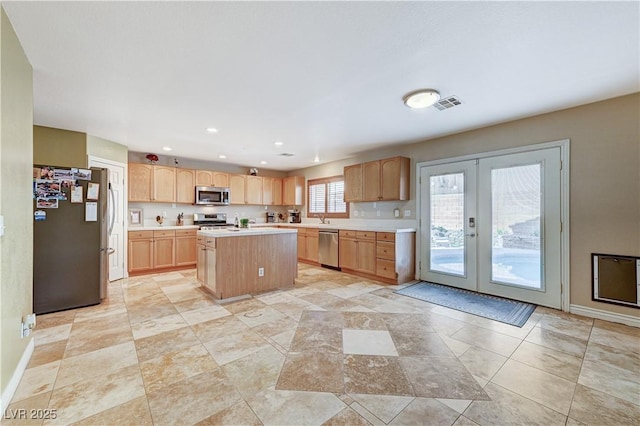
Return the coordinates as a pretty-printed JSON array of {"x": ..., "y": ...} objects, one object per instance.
[
  {"x": 212, "y": 130},
  {"x": 316, "y": 159},
  {"x": 166, "y": 148},
  {"x": 278, "y": 143},
  {"x": 263, "y": 162},
  {"x": 422, "y": 98},
  {"x": 222, "y": 156}
]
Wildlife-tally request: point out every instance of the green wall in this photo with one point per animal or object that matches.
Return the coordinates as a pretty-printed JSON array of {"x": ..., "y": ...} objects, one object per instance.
[
  {"x": 57, "y": 147},
  {"x": 16, "y": 246}
]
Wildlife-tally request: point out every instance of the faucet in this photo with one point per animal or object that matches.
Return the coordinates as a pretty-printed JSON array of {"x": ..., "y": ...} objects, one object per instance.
[{"x": 322, "y": 219}]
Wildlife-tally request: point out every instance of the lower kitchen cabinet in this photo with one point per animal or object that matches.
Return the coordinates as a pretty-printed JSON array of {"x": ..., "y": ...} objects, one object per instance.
[
  {"x": 307, "y": 244},
  {"x": 155, "y": 250},
  {"x": 358, "y": 251},
  {"x": 210, "y": 265}
]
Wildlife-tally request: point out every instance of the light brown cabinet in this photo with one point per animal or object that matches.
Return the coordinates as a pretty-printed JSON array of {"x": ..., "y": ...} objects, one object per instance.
[
  {"x": 308, "y": 244},
  {"x": 212, "y": 178},
  {"x": 293, "y": 191},
  {"x": 161, "y": 250},
  {"x": 186, "y": 247},
  {"x": 185, "y": 186},
  {"x": 353, "y": 183},
  {"x": 380, "y": 180},
  {"x": 201, "y": 259},
  {"x": 210, "y": 265},
  {"x": 271, "y": 191},
  {"x": 395, "y": 256},
  {"x": 245, "y": 189},
  {"x": 152, "y": 183},
  {"x": 358, "y": 251}
]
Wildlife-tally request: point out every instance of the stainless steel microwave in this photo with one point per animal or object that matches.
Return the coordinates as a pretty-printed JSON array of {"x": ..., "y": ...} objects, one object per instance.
[{"x": 212, "y": 196}]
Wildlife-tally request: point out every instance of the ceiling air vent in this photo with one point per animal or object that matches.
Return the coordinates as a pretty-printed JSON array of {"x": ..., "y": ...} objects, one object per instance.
[
  {"x": 448, "y": 102},
  {"x": 286, "y": 154}
]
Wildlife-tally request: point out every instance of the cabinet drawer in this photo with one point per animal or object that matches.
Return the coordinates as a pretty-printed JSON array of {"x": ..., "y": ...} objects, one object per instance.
[
  {"x": 186, "y": 232},
  {"x": 210, "y": 242},
  {"x": 168, "y": 233},
  {"x": 386, "y": 250},
  {"x": 386, "y": 236},
  {"x": 312, "y": 232},
  {"x": 347, "y": 234},
  {"x": 138, "y": 235},
  {"x": 386, "y": 268},
  {"x": 302, "y": 231},
  {"x": 365, "y": 235},
  {"x": 200, "y": 239}
]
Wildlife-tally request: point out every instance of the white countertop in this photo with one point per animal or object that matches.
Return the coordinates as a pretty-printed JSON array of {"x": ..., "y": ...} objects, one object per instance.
[
  {"x": 241, "y": 232},
  {"x": 161, "y": 228},
  {"x": 373, "y": 228}
]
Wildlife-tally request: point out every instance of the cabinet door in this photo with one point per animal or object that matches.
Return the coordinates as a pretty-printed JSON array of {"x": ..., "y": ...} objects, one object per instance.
[
  {"x": 394, "y": 174},
  {"x": 302, "y": 246},
  {"x": 293, "y": 191},
  {"x": 367, "y": 256},
  {"x": 371, "y": 181},
  {"x": 237, "y": 188},
  {"x": 186, "y": 251},
  {"x": 348, "y": 253},
  {"x": 267, "y": 191},
  {"x": 312, "y": 247},
  {"x": 253, "y": 194},
  {"x": 221, "y": 179},
  {"x": 201, "y": 263},
  {"x": 204, "y": 178},
  {"x": 353, "y": 183},
  {"x": 164, "y": 184},
  {"x": 140, "y": 178},
  {"x": 210, "y": 275},
  {"x": 277, "y": 192},
  {"x": 185, "y": 186},
  {"x": 140, "y": 255},
  {"x": 164, "y": 252}
]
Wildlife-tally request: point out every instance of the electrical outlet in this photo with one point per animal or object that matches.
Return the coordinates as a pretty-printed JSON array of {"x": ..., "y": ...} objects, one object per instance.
[
  {"x": 407, "y": 213},
  {"x": 374, "y": 204},
  {"x": 261, "y": 272},
  {"x": 378, "y": 213},
  {"x": 355, "y": 213},
  {"x": 164, "y": 214}
]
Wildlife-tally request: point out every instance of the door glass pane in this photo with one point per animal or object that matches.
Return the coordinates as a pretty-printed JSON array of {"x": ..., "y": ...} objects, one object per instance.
[
  {"x": 447, "y": 224},
  {"x": 515, "y": 215}
]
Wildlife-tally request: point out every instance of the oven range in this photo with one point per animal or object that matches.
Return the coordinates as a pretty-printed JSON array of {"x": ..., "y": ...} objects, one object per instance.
[{"x": 210, "y": 221}]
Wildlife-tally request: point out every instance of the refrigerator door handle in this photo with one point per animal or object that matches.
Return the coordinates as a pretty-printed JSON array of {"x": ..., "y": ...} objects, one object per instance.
[{"x": 112, "y": 213}]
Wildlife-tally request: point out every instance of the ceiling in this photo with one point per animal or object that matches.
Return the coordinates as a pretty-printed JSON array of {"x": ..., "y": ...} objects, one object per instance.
[{"x": 325, "y": 78}]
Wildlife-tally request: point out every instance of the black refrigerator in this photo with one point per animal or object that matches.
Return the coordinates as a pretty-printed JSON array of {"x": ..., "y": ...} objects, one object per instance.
[{"x": 70, "y": 237}]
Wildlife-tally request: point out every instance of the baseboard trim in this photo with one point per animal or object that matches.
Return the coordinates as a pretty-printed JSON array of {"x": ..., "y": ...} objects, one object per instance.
[
  {"x": 10, "y": 390},
  {"x": 605, "y": 315}
]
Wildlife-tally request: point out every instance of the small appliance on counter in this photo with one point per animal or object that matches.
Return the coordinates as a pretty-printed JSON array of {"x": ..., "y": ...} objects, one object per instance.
[
  {"x": 271, "y": 217},
  {"x": 294, "y": 216}
]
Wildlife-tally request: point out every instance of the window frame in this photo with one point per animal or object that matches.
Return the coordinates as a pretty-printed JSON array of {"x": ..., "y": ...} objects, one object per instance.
[{"x": 326, "y": 181}]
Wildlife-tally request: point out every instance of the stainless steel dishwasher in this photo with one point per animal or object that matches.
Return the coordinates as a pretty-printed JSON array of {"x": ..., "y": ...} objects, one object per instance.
[{"x": 328, "y": 248}]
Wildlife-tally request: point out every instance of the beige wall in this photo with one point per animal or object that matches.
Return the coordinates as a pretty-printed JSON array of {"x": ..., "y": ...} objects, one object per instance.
[
  {"x": 16, "y": 156},
  {"x": 604, "y": 180},
  {"x": 106, "y": 149},
  {"x": 57, "y": 147}
]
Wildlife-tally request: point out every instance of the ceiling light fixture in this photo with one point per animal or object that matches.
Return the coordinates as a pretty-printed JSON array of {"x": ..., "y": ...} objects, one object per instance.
[
  {"x": 166, "y": 148},
  {"x": 278, "y": 143},
  {"x": 263, "y": 162},
  {"x": 316, "y": 159},
  {"x": 422, "y": 98},
  {"x": 212, "y": 130},
  {"x": 222, "y": 156}
]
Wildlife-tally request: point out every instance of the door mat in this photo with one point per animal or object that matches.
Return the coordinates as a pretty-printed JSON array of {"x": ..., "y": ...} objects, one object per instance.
[{"x": 492, "y": 307}]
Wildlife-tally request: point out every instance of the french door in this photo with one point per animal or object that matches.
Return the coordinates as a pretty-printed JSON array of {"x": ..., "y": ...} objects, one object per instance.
[{"x": 493, "y": 225}]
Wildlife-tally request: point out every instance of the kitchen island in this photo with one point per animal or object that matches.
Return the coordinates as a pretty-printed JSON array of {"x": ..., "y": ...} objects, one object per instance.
[{"x": 237, "y": 261}]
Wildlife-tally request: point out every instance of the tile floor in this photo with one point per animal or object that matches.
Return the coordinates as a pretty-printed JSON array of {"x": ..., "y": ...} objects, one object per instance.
[{"x": 335, "y": 350}]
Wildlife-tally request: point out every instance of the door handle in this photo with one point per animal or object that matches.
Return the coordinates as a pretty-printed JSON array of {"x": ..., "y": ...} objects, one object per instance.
[
  {"x": 113, "y": 210},
  {"x": 471, "y": 234}
]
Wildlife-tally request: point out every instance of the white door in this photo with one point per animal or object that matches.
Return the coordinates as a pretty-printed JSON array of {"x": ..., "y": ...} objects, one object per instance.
[
  {"x": 448, "y": 247},
  {"x": 493, "y": 225},
  {"x": 116, "y": 209}
]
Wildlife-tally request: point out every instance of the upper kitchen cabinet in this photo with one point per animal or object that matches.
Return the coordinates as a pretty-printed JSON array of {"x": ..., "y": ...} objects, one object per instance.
[
  {"x": 185, "y": 186},
  {"x": 211, "y": 178},
  {"x": 253, "y": 190},
  {"x": 293, "y": 191},
  {"x": 271, "y": 191},
  {"x": 237, "y": 185},
  {"x": 353, "y": 183},
  {"x": 380, "y": 180},
  {"x": 152, "y": 183}
]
